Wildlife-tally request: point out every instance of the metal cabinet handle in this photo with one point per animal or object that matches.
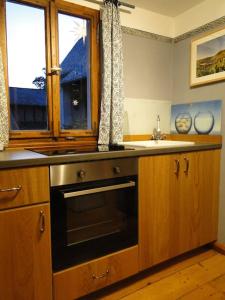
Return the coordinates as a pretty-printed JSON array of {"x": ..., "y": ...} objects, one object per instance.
[
  {"x": 13, "y": 189},
  {"x": 100, "y": 276},
  {"x": 42, "y": 221},
  {"x": 100, "y": 189},
  {"x": 186, "y": 165},
  {"x": 177, "y": 167}
]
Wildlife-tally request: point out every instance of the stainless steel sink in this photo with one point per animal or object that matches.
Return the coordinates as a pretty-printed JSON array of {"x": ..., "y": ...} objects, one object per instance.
[{"x": 158, "y": 143}]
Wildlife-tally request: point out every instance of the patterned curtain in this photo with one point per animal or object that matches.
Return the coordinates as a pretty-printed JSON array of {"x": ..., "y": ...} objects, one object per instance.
[
  {"x": 4, "y": 125},
  {"x": 111, "y": 119}
]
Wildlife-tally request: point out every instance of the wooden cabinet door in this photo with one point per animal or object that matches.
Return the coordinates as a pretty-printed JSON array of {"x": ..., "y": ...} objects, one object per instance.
[
  {"x": 208, "y": 194},
  {"x": 199, "y": 184},
  {"x": 158, "y": 209},
  {"x": 25, "y": 259},
  {"x": 188, "y": 203},
  {"x": 178, "y": 204}
]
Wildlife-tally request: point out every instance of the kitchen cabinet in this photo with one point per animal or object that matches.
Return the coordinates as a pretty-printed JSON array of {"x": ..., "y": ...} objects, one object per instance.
[
  {"x": 25, "y": 257},
  {"x": 178, "y": 204},
  {"x": 23, "y": 186},
  {"x": 88, "y": 277},
  {"x": 25, "y": 248}
]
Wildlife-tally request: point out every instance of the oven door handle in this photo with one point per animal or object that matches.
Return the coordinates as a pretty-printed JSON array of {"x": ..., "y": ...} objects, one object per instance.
[{"x": 100, "y": 189}]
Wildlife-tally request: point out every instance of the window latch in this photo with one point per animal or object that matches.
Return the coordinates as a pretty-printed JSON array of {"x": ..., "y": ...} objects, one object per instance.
[{"x": 55, "y": 71}]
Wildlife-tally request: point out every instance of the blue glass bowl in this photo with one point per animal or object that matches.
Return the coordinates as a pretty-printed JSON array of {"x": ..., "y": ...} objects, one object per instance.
[
  {"x": 204, "y": 122},
  {"x": 183, "y": 122}
]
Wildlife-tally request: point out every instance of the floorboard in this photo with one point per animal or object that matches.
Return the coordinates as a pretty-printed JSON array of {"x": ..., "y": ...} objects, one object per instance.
[{"x": 199, "y": 277}]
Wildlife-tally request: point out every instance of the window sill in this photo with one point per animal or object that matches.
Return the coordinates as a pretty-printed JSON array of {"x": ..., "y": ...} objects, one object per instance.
[{"x": 52, "y": 143}]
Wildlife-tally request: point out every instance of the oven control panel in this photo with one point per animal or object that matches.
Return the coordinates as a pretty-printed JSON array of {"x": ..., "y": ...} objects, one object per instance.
[{"x": 90, "y": 171}]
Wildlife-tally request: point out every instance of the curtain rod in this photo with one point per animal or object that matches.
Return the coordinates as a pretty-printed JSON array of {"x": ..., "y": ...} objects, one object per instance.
[{"x": 119, "y": 2}]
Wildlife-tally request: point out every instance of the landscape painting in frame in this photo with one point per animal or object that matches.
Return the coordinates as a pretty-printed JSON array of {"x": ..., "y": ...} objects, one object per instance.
[{"x": 208, "y": 58}]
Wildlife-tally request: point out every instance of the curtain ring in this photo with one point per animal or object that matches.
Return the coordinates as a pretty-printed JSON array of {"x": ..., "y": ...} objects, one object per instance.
[{"x": 115, "y": 2}]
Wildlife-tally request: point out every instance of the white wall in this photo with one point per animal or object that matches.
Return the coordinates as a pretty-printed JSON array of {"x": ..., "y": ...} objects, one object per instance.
[
  {"x": 149, "y": 21},
  {"x": 140, "y": 115},
  {"x": 141, "y": 19},
  {"x": 145, "y": 20},
  {"x": 199, "y": 15}
]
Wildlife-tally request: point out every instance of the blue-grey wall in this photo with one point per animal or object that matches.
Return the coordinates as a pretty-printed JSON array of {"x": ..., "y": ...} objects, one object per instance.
[
  {"x": 148, "y": 68},
  {"x": 183, "y": 93}
]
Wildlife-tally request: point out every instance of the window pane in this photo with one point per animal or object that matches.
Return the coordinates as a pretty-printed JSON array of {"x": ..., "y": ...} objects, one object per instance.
[
  {"x": 26, "y": 66},
  {"x": 74, "y": 58}
]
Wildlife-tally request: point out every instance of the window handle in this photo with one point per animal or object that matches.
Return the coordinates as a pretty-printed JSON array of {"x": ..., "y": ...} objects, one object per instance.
[{"x": 55, "y": 71}]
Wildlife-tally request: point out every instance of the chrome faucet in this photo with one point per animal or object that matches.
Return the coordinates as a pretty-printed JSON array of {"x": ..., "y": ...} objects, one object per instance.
[{"x": 157, "y": 134}]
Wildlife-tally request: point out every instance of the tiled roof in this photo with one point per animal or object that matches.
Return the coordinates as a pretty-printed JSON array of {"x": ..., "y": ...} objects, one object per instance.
[
  {"x": 27, "y": 96},
  {"x": 74, "y": 66}
]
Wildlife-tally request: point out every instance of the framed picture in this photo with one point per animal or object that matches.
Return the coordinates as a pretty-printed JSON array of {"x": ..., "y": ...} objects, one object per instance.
[
  {"x": 208, "y": 58},
  {"x": 202, "y": 117}
]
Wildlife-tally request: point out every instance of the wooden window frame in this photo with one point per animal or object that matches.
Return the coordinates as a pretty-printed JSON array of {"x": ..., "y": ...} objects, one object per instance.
[{"x": 55, "y": 134}]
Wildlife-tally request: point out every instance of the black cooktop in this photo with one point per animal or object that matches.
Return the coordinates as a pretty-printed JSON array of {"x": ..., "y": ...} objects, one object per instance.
[{"x": 69, "y": 151}]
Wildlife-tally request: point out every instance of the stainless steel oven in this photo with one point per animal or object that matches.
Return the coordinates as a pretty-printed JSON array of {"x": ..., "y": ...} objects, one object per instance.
[{"x": 93, "y": 209}]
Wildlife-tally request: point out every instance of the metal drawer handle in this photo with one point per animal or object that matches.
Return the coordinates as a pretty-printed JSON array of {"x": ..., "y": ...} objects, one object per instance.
[
  {"x": 100, "y": 276},
  {"x": 13, "y": 189},
  {"x": 42, "y": 221},
  {"x": 177, "y": 168},
  {"x": 187, "y": 166}
]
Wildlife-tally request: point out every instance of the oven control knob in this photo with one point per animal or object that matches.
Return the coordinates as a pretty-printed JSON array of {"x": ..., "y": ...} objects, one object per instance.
[
  {"x": 81, "y": 174},
  {"x": 116, "y": 170}
]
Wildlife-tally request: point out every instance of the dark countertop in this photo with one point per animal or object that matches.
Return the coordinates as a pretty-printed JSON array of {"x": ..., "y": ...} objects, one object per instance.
[{"x": 25, "y": 158}]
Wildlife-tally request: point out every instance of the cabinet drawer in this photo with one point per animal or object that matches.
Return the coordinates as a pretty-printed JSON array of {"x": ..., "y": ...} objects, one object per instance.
[
  {"x": 23, "y": 186},
  {"x": 89, "y": 277}
]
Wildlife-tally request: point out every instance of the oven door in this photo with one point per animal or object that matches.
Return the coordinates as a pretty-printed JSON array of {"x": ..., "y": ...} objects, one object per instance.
[{"x": 93, "y": 219}]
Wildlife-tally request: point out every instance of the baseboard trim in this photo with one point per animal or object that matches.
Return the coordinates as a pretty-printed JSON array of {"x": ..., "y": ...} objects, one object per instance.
[{"x": 219, "y": 247}]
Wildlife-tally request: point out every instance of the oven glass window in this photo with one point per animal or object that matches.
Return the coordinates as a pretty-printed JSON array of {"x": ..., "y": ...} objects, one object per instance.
[
  {"x": 87, "y": 226},
  {"x": 97, "y": 215}
]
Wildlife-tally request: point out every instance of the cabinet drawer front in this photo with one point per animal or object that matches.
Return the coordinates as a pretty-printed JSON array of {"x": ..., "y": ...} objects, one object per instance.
[
  {"x": 89, "y": 277},
  {"x": 19, "y": 187}
]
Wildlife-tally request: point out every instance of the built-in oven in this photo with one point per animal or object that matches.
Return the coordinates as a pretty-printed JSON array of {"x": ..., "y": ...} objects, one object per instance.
[{"x": 94, "y": 210}]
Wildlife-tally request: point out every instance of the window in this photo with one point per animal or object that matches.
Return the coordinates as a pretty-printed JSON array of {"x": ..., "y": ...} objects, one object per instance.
[
  {"x": 26, "y": 65},
  {"x": 74, "y": 59},
  {"x": 52, "y": 62}
]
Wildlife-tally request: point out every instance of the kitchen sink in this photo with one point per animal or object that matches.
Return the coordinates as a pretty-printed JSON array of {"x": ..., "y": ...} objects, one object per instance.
[{"x": 157, "y": 143}]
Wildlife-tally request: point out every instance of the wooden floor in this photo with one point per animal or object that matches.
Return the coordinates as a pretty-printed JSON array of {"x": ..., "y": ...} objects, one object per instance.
[{"x": 199, "y": 277}]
